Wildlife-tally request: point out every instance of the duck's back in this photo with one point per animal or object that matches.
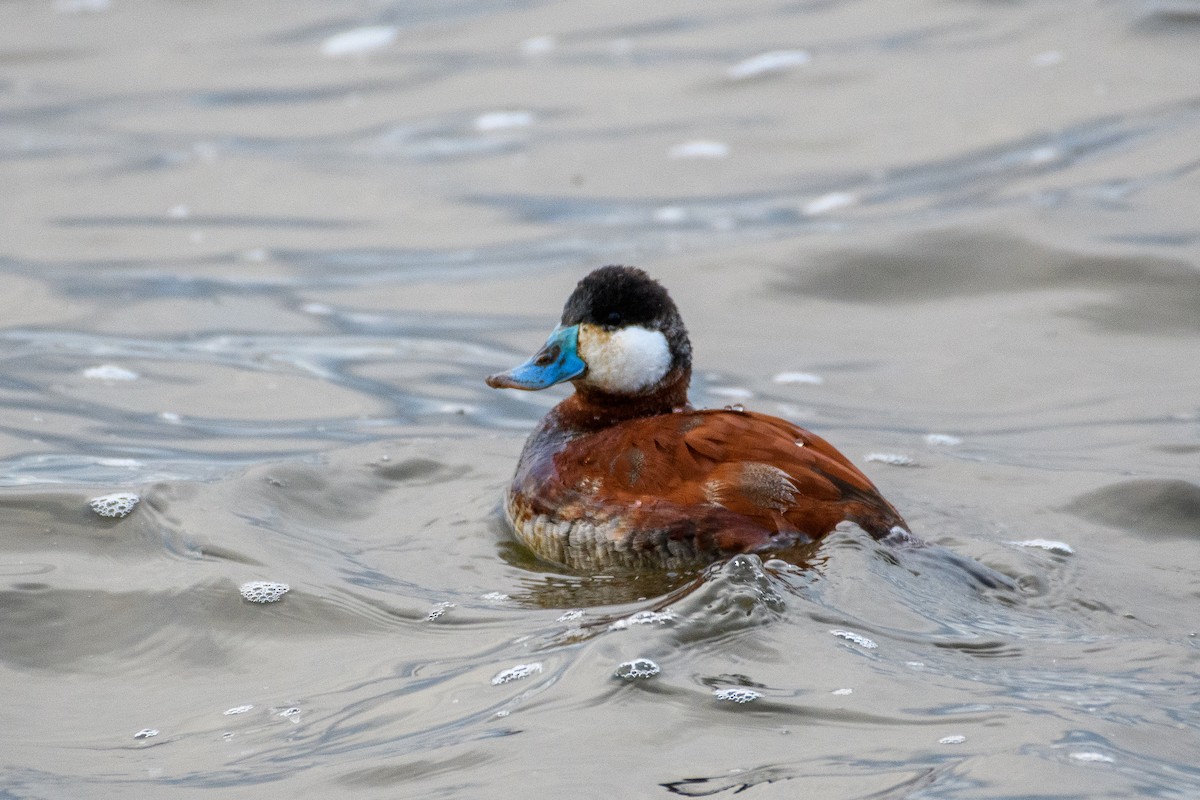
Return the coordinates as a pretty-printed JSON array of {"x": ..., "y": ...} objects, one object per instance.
[{"x": 684, "y": 487}]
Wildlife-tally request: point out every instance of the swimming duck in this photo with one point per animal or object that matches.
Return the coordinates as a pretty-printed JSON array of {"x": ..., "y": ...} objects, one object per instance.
[{"x": 626, "y": 473}]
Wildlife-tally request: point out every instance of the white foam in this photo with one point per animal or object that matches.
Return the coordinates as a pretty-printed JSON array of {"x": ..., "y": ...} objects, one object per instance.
[
  {"x": 237, "y": 710},
  {"x": 643, "y": 618},
  {"x": 955, "y": 739},
  {"x": 358, "y": 41},
  {"x": 1047, "y": 544},
  {"x": 769, "y": 63},
  {"x": 501, "y": 120},
  {"x": 264, "y": 591},
  {"x": 738, "y": 695},
  {"x": 699, "y": 148},
  {"x": 110, "y": 372},
  {"x": 942, "y": 440},
  {"x": 893, "y": 459},
  {"x": 829, "y": 202},
  {"x": 146, "y": 733},
  {"x": 1092, "y": 758},
  {"x": 519, "y": 672},
  {"x": 670, "y": 215},
  {"x": 438, "y": 610},
  {"x": 638, "y": 668},
  {"x": 857, "y": 638},
  {"x": 798, "y": 377},
  {"x": 842, "y": 691},
  {"x": 114, "y": 505}
]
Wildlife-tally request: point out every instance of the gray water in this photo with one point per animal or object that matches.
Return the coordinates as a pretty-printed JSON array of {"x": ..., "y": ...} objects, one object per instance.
[{"x": 257, "y": 259}]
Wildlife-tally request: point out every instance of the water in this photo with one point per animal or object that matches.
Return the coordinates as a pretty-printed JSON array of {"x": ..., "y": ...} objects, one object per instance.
[{"x": 258, "y": 259}]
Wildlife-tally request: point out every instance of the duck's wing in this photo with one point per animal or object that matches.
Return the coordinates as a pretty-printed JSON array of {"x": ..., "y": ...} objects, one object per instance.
[{"x": 771, "y": 476}]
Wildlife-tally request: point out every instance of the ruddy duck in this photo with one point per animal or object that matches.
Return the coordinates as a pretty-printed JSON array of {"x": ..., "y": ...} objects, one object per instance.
[{"x": 625, "y": 473}]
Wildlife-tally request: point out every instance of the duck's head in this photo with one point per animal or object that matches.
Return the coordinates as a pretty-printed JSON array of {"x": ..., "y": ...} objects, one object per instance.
[{"x": 620, "y": 335}]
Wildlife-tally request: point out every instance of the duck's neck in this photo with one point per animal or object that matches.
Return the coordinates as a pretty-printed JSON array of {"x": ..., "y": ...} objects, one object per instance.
[{"x": 592, "y": 409}]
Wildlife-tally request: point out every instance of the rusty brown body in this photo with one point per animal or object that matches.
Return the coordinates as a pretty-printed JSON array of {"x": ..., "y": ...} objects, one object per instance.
[{"x": 599, "y": 485}]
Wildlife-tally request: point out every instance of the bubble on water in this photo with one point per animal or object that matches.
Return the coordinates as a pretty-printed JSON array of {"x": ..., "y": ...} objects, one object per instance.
[
  {"x": 955, "y": 739},
  {"x": 264, "y": 591},
  {"x": 842, "y": 691},
  {"x": 1092, "y": 758},
  {"x": 643, "y": 618},
  {"x": 829, "y": 202},
  {"x": 571, "y": 616},
  {"x": 736, "y": 695},
  {"x": 637, "y": 668},
  {"x": 892, "y": 459},
  {"x": 699, "y": 148},
  {"x": 146, "y": 733},
  {"x": 229, "y": 712},
  {"x": 110, "y": 372},
  {"x": 1047, "y": 544},
  {"x": 519, "y": 672},
  {"x": 358, "y": 41},
  {"x": 494, "y": 597},
  {"x": 769, "y": 63},
  {"x": 438, "y": 610},
  {"x": 942, "y": 440},
  {"x": 114, "y": 505},
  {"x": 500, "y": 120},
  {"x": 798, "y": 377},
  {"x": 857, "y": 638}
]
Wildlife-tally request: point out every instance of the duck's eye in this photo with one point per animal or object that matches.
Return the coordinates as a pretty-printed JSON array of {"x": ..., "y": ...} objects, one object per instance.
[
  {"x": 613, "y": 318},
  {"x": 547, "y": 357}
]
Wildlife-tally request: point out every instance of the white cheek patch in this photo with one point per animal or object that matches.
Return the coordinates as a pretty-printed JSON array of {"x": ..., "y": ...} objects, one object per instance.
[{"x": 627, "y": 361}]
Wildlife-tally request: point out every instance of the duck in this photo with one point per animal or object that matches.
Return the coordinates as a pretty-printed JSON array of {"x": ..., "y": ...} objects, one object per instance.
[{"x": 626, "y": 474}]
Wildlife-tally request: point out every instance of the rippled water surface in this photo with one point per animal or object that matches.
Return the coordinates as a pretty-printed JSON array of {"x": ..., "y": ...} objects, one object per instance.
[{"x": 257, "y": 259}]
